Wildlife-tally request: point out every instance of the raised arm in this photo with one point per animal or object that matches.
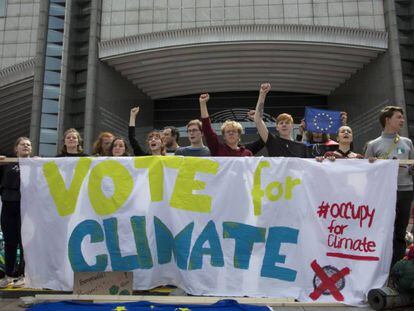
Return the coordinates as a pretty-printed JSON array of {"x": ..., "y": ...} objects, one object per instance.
[
  {"x": 203, "y": 105},
  {"x": 302, "y": 126},
  {"x": 133, "y": 116},
  {"x": 209, "y": 133},
  {"x": 344, "y": 118},
  {"x": 131, "y": 133},
  {"x": 258, "y": 116}
]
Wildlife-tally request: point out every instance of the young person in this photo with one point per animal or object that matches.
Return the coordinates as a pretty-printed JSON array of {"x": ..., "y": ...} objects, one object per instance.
[
  {"x": 231, "y": 131},
  {"x": 72, "y": 144},
  {"x": 390, "y": 145},
  {"x": 195, "y": 136},
  {"x": 318, "y": 143},
  {"x": 101, "y": 147},
  {"x": 344, "y": 151},
  {"x": 10, "y": 213},
  {"x": 154, "y": 139},
  {"x": 282, "y": 145},
  {"x": 170, "y": 136},
  {"x": 119, "y": 148}
]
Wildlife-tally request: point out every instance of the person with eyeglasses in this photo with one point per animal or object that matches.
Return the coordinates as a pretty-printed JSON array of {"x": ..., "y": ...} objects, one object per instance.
[
  {"x": 231, "y": 131},
  {"x": 195, "y": 136}
]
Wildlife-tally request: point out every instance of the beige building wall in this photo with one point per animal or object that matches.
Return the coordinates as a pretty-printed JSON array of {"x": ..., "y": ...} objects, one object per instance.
[
  {"x": 18, "y": 32},
  {"x": 122, "y": 18}
]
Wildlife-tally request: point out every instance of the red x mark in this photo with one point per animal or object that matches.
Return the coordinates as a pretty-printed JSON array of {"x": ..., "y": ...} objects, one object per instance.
[{"x": 328, "y": 282}]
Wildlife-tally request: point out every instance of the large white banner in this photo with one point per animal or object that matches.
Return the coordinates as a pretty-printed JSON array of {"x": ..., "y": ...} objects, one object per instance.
[{"x": 260, "y": 227}]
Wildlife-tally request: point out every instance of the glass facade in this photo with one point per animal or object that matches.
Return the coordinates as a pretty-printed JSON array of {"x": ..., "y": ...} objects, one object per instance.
[
  {"x": 52, "y": 79},
  {"x": 3, "y": 8}
]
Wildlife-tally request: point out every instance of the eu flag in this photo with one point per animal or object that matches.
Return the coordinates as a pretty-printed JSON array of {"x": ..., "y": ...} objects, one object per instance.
[{"x": 322, "y": 120}]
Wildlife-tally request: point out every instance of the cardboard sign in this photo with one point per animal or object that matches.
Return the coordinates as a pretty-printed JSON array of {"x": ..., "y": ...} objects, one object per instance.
[{"x": 103, "y": 283}]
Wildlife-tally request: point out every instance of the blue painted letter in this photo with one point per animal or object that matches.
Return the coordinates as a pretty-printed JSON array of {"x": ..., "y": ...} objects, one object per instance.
[
  {"x": 141, "y": 242},
  {"x": 277, "y": 236},
  {"x": 77, "y": 261},
  {"x": 118, "y": 262},
  {"x": 244, "y": 237},
  {"x": 209, "y": 234},
  {"x": 168, "y": 245}
]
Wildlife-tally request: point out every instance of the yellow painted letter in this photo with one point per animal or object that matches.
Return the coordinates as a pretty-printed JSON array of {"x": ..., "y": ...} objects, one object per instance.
[
  {"x": 290, "y": 183},
  {"x": 182, "y": 196},
  {"x": 64, "y": 198},
  {"x": 123, "y": 185},
  {"x": 155, "y": 175},
  {"x": 257, "y": 191}
]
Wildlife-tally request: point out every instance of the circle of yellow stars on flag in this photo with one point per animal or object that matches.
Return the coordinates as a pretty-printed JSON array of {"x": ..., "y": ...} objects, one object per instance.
[{"x": 322, "y": 118}]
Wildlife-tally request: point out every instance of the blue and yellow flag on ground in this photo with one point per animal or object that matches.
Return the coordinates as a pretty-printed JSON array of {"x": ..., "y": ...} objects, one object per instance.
[
  {"x": 222, "y": 305},
  {"x": 322, "y": 120}
]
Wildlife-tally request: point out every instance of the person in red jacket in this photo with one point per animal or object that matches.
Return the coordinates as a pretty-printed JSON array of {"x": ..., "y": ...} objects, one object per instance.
[{"x": 231, "y": 131}]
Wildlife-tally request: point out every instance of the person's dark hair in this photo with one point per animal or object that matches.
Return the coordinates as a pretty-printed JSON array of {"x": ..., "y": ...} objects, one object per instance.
[
  {"x": 174, "y": 132},
  {"x": 126, "y": 153},
  {"x": 388, "y": 112},
  {"x": 158, "y": 135},
  {"x": 309, "y": 137}
]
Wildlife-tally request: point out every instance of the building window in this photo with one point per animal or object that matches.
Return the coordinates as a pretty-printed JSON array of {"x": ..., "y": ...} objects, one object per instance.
[{"x": 3, "y": 8}]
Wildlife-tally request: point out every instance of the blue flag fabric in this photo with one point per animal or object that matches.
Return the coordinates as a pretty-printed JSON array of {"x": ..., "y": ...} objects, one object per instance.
[
  {"x": 322, "y": 120},
  {"x": 222, "y": 305}
]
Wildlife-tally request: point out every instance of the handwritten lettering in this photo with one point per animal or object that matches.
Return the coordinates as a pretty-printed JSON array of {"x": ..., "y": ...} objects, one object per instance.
[{"x": 347, "y": 210}]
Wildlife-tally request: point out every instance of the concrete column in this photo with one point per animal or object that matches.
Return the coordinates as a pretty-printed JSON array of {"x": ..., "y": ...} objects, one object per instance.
[
  {"x": 395, "y": 57},
  {"x": 39, "y": 71},
  {"x": 90, "y": 101}
]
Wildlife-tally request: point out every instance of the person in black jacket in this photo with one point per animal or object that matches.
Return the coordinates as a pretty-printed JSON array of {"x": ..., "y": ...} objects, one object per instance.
[
  {"x": 10, "y": 213},
  {"x": 154, "y": 139},
  {"x": 72, "y": 144}
]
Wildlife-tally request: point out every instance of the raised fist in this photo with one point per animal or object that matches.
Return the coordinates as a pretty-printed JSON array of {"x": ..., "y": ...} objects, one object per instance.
[
  {"x": 265, "y": 88},
  {"x": 204, "y": 98},
  {"x": 134, "y": 111},
  {"x": 250, "y": 114}
]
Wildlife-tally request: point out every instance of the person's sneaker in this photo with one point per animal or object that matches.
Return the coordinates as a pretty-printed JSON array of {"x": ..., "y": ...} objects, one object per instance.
[
  {"x": 19, "y": 282},
  {"x": 6, "y": 281}
]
